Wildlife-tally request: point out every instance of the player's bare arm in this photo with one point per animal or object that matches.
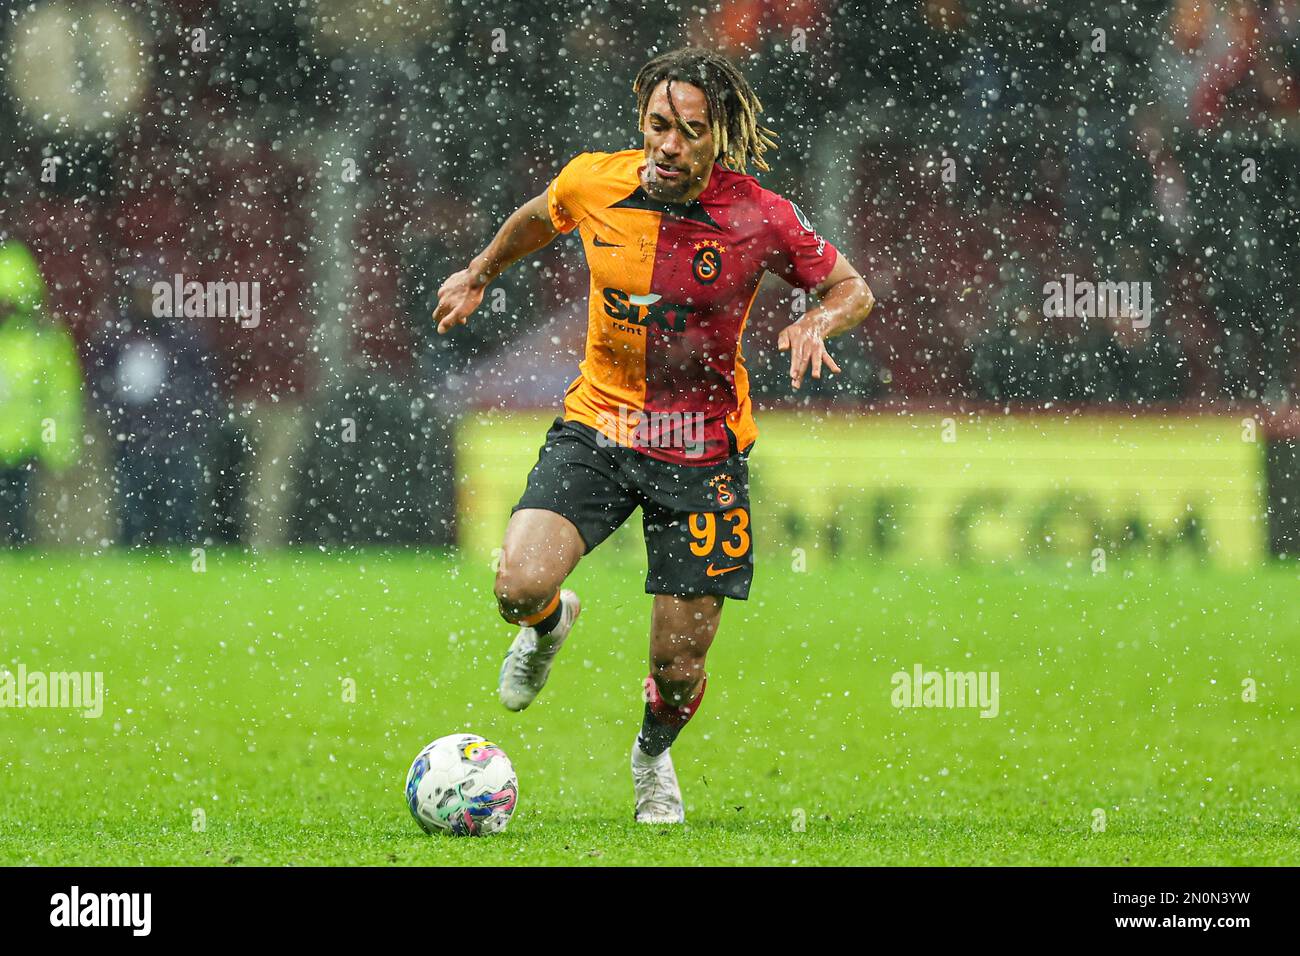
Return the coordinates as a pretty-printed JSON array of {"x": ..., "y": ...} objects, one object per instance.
[
  {"x": 528, "y": 229},
  {"x": 844, "y": 300}
]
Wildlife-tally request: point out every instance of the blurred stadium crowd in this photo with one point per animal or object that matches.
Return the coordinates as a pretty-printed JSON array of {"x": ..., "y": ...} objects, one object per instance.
[{"x": 348, "y": 156}]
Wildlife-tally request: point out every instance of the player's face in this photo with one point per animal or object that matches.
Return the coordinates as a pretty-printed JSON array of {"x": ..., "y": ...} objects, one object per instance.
[{"x": 677, "y": 167}]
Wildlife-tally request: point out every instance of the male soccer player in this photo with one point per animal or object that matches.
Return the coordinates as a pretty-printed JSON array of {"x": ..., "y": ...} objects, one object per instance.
[{"x": 677, "y": 239}]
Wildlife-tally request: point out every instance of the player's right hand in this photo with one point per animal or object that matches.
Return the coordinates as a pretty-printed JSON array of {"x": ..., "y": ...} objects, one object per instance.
[{"x": 458, "y": 297}]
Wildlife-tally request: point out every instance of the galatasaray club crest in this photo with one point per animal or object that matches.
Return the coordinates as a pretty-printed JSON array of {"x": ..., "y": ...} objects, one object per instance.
[
  {"x": 721, "y": 485},
  {"x": 707, "y": 264}
]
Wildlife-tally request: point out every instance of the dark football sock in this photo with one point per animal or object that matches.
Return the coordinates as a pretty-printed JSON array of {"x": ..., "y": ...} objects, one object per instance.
[{"x": 662, "y": 722}]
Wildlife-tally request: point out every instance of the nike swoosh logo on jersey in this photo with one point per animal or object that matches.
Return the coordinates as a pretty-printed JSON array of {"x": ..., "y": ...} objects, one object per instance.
[
  {"x": 611, "y": 245},
  {"x": 713, "y": 572}
]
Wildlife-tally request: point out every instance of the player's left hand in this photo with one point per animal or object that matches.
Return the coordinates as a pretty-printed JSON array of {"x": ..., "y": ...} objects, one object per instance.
[{"x": 804, "y": 341}]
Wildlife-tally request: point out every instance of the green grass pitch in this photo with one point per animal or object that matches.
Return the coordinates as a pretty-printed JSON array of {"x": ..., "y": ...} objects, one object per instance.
[{"x": 1120, "y": 692}]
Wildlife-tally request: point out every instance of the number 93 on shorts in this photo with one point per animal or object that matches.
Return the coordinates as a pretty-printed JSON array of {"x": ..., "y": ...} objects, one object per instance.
[{"x": 698, "y": 552}]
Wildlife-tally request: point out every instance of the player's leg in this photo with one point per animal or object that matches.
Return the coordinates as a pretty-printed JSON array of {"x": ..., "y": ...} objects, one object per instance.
[
  {"x": 681, "y": 632},
  {"x": 573, "y": 501},
  {"x": 540, "y": 550}
]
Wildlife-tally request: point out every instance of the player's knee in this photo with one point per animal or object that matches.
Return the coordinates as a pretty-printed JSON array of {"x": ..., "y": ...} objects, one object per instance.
[
  {"x": 677, "y": 676},
  {"x": 521, "y": 591}
]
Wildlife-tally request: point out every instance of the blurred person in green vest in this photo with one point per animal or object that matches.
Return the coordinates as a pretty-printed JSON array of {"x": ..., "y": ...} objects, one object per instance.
[{"x": 40, "y": 389}]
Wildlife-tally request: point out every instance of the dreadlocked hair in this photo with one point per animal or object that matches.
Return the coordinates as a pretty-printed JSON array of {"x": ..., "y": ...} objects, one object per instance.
[{"x": 733, "y": 107}]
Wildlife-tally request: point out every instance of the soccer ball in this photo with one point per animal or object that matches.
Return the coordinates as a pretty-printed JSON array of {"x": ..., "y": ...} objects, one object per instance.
[{"x": 463, "y": 785}]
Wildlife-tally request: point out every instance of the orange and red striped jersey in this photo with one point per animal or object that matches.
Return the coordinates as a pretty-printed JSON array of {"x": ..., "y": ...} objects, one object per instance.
[{"x": 671, "y": 289}]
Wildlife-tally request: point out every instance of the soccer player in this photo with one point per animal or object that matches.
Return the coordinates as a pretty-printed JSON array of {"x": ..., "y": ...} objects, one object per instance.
[{"x": 677, "y": 239}]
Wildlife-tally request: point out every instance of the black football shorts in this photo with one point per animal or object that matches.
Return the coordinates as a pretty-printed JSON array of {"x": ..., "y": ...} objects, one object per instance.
[{"x": 695, "y": 517}]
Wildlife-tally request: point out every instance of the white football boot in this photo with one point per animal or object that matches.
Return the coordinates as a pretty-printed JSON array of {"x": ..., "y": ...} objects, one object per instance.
[
  {"x": 658, "y": 797},
  {"x": 528, "y": 663}
]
